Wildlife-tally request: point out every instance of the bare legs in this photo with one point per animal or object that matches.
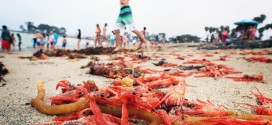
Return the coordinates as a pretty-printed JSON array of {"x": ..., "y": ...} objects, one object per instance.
[
  {"x": 119, "y": 41},
  {"x": 142, "y": 39},
  {"x": 78, "y": 44},
  {"x": 107, "y": 40},
  {"x": 97, "y": 40}
]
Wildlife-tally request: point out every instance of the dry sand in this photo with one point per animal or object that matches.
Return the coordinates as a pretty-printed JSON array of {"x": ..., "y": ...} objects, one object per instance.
[{"x": 23, "y": 75}]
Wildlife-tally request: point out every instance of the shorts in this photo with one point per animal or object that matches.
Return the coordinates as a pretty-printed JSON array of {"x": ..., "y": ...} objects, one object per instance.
[
  {"x": 55, "y": 42},
  {"x": 52, "y": 43},
  {"x": 5, "y": 44},
  {"x": 64, "y": 44},
  {"x": 38, "y": 43},
  {"x": 87, "y": 44},
  {"x": 125, "y": 19}
]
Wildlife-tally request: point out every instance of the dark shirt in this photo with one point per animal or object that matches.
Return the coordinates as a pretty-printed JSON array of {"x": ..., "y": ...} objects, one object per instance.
[
  {"x": 19, "y": 37},
  {"x": 5, "y": 35},
  {"x": 79, "y": 35}
]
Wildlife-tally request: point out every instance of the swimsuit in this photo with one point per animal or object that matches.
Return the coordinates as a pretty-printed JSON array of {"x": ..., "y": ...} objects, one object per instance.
[
  {"x": 64, "y": 44},
  {"x": 125, "y": 19}
]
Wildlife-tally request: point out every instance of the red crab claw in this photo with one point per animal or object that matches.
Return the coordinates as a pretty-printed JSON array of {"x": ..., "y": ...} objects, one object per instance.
[
  {"x": 64, "y": 84},
  {"x": 261, "y": 98},
  {"x": 90, "y": 86}
]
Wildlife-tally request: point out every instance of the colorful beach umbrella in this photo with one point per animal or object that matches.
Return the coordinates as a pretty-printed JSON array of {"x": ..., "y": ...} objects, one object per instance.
[{"x": 247, "y": 22}]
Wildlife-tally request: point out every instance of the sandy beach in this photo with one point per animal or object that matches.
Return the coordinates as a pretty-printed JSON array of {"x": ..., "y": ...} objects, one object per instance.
[{"x": 23, "y": 74}]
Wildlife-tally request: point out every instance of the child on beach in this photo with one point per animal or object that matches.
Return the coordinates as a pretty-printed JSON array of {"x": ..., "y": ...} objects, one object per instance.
[
  {"x": 125, "y": 19},
  {"x": 87, "y": 42},
  {"x": 64, "y": 42},
  {"x": 112, "y": 39}
]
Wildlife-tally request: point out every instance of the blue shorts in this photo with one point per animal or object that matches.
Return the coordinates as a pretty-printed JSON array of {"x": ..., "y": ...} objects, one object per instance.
[
  {"x": 38, "y": 43},
  {"x": 64, "y": 44}
]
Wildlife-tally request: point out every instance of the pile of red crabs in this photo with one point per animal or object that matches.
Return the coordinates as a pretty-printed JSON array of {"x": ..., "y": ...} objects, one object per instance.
[{"x": 136, "y": 96}]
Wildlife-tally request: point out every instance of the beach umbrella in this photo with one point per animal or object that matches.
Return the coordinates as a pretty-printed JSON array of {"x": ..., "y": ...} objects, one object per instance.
[{"x": 252, "y": 22}]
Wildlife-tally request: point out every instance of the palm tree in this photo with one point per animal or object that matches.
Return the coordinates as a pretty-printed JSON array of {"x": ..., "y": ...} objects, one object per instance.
[
  {"x": 258, "y": 19},
  {"x": 30, "y": 26}
]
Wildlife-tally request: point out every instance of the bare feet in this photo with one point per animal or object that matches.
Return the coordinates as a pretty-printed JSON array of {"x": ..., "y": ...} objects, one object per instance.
[{"x": 118, "y": 49}]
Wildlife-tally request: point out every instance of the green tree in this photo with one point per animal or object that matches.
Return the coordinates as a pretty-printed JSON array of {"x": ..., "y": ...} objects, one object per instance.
[{"x": 30, "y": 26}]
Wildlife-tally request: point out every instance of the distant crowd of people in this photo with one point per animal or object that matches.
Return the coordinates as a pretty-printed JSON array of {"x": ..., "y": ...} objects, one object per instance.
[{"x": 226, "y": 36}]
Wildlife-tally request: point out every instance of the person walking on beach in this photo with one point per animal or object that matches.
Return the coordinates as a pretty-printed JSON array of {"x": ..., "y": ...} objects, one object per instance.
[
  {"x": 64, "y": 43},
  {"x": 79, "y": 39},
  {"x": 97, "y": 38},
  {"x": 12, "y": 41},
  {"x": 20, "y": 41},
  {"x": 51, "y": 40},
  {"x": 105, "y": 37},
  {"x": 5, "y": 36},
  {"x": 125, "y": 19}
]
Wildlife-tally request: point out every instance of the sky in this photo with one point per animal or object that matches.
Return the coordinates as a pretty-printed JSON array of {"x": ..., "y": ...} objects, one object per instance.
[{"x": 173, "y": 17}]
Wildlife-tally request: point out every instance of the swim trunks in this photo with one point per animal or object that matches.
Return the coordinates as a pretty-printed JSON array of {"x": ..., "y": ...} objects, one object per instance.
[
  {"x": 125, "y": 19},
  {"x": 64, "y": 44}
]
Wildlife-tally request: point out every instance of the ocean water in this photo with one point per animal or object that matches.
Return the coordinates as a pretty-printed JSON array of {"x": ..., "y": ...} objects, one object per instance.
[{"x": 27, "y": 42}]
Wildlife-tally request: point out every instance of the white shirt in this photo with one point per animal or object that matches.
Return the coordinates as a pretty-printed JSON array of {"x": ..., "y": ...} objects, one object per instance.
[{"x": 51, "y": 38}]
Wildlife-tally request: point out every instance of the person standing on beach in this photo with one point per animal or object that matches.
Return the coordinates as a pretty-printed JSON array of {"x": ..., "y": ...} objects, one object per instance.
[
  {"x": 97, "y": 38},
  {"x": 20, "y": 41},
  {"x": 56, "y": 37},
  {"x": 79, "y": 39},
  {"x": 112, "y": 39},
  {"x": 87, "y": 43},
  {"x": 39, "y": 39},
  {"x": 12, "y": 41},
  {"x": 224, "y": 36},
  {"x": 105, "y": 37},
  {"x": 125, "y": 19},
  {"x": 5, "y": 36},
  {"x": 144, "y": 32},
  {"x": 51, "y": 40},
  {"x": 64, "y": 43}
]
